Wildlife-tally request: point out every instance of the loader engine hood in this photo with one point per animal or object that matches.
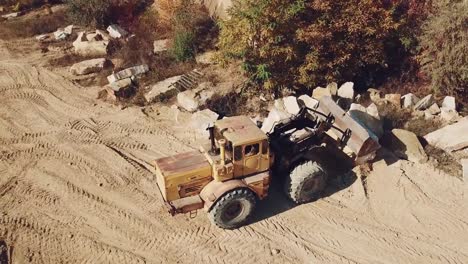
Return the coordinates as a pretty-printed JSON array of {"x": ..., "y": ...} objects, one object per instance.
[{"x": 182, "y": 175}]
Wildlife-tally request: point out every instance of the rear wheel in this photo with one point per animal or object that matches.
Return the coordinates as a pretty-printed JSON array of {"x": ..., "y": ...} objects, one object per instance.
[
  {"x": 305, "y": 182},
  {"x": 233, "y": 209}
]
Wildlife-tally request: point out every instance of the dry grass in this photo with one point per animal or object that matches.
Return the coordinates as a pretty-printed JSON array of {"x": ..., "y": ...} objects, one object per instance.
[
  {"x": 32, "y": 26},
  {"x": 444, "y": 161}
]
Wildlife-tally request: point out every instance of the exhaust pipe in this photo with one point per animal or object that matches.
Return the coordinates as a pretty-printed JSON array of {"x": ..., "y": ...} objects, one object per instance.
[
  {"x": 213, "y": 151},
  {"x": 222, "y": 146}
]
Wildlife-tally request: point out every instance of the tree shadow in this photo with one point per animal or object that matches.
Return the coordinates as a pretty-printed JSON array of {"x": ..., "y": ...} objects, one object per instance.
[{"x": 341, "y": 176}]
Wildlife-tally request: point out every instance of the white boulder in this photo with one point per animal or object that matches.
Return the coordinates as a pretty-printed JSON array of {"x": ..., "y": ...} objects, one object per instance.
[
  {"x": 88, "y": 66},
  {"x": 449, "y": 116},
  {"x": 346, "y": 91},
  {"x": 333, "y": 88},
  {"x": 12, "y": 15},
  {"x": 93, "y": 47},
  {"x": 368, "y": 118},
  {"x": 121, "y": 84},
  {"x": 115, "y": 31},
  {"x": 187, "y": 100},
  {"x": 434, "y": 109},
  {"x": 394, "y": 99}
]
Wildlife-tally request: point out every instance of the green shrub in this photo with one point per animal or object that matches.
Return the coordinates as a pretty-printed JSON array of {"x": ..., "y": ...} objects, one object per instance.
[
  {"x": 445, "y": 50},
  {"x": 183, "y": 46}
]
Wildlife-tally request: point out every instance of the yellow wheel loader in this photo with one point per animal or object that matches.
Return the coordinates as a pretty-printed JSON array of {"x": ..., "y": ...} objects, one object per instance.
[{"x": 233, "y": 172}]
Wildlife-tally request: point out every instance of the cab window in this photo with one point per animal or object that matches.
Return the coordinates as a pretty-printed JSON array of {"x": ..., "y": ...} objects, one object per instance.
[
  {"x": 251, "y": 150},
  {"x": 237, "y": 153}
]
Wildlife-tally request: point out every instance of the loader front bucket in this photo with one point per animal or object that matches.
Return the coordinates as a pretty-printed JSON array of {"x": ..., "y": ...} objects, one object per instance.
[{"x": 361, "y": 142}]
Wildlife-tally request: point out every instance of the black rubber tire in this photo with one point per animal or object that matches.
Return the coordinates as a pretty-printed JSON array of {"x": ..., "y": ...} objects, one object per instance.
[
  {"x": 305, "y": 182},
  {"x": 233, "y": 209}
]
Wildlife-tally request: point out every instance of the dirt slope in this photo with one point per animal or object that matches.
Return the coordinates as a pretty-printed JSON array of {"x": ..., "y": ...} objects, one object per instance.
[{"x": 76, "y": 186}]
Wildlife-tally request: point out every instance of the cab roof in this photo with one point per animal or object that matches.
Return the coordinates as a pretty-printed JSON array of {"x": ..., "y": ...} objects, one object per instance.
[{"x": 240, "y": 130}]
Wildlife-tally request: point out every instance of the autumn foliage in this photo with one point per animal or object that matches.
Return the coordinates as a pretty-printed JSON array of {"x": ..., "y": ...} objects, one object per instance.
[{"x": 302, "y": 44}]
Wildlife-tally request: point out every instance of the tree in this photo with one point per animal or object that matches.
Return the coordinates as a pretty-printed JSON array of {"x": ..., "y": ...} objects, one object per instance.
[
  {"x": 301, "y": 44},
  {"x": 445, "y": 50}
]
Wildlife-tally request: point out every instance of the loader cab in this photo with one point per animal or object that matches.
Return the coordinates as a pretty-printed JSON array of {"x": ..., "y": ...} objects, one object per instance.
[{"x": 247, "y": 147}]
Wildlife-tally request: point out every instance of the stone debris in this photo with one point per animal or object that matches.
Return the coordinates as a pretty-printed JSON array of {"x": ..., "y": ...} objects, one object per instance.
[
  {"x": 394, "y": 99},
  {"x": 162, "y": 89},
  {"x": 449, "y": 104},
  {"x": 450, "y": 138},
  {"x": 12, "y": 15},
  {"x": 406, "y": 145},
  {"x": 127, "y": 73},
  {"x": 206, "y": 57},
  {"x": 424, "y": 103},
  {"x": 115, "y": 31},
  {"x": 308, "y": 101},
  {"x": 188, "y": 101},
  {"x": 201, "y": 120},
  {"x": 161, "y": 45},
  {"x": 409, "y": 100},
  {"x": 434, "y": 109},
  {"x": 88, "y": 66},
  {"x": 346, "y": 91},
  {"x": 89, "y": 45}
]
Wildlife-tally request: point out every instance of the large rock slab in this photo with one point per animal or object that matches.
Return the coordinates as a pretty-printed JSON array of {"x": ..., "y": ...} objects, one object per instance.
[
  {"x": 188, "y": 101},
  {"x": 121, "y": 84},
  {"x": 368, "y": 118},
  {"x": 93, "y": 47},
  {"x": 347, "y": 91},
  {"x": 127, "y": 73},
  {"x": 201, "y": 120},
  {"x": 405, "y": 144},
  {"x": 162, "y": 89},
  {"x": 88, "y": 66},
  {"x": 450, "y": 138}
]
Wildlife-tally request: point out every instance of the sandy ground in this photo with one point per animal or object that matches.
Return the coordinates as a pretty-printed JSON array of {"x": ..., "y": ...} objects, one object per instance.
[{"x": 77, "y": 186}]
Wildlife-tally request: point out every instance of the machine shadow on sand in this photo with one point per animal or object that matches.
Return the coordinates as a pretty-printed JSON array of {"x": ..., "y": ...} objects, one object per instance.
[{"x": 340, "y": 177}]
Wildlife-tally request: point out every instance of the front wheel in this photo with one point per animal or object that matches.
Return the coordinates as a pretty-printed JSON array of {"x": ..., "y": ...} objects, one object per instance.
[
  {"x": 233, "y": 209},
  {"x": 305, "y": 182}
]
